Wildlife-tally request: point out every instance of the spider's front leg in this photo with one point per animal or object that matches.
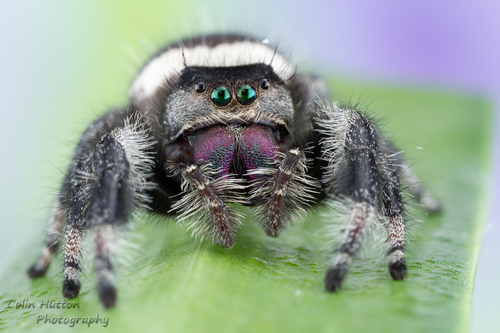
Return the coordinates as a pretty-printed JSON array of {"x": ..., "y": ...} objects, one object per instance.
[
  {"x": 110, "y": 177},
  {"x": 110, "y": 206},
  {"x": 120, "y": 167},
  {"x": 362, "y": 175}
]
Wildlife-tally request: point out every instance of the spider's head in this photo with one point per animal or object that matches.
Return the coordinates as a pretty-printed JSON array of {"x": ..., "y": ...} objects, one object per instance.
[
  {"x": 216, "y": 79},
  {"x": 204, "y": 96}
]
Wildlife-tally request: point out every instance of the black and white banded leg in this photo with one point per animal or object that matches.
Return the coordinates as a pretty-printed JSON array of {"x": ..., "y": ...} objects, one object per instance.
[
  {"x": 110, "y": 177},
  {"x": 287, "y": 192},
  {"x": 81, "y": 186},
  {"x": 361, "y": 170},
  {"x": 57, "y": 219},
  {"x": 276, "y": 203},
  {"x": 394, "y": 210},
  {"x": 111, "y": 205},
  {"x": 207, "y": 200}
]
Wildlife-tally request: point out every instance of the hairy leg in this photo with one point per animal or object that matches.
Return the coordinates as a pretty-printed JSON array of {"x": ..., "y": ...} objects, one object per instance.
[
  {"x": 110, "y": 206},
  {"x": 110, "y": 176},
  {"x": 419, "y": 193},
  {"x": 285, "y": 189},
  {"x": 360, "y": 172},
  {"x": 206, "y": 200},
  {"x": 56, "y": 224},
  {"x": 81, "y": 187},
  {"x": 393, "y": 209}
]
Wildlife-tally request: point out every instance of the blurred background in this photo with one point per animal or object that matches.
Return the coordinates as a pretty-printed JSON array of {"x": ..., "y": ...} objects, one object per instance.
[{"x": 52, "y": 54}]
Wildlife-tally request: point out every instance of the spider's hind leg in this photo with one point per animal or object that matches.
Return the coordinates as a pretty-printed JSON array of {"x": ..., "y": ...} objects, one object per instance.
[
  {"x": 419, "y": 193},
  {"x": 57, "y": 219}
]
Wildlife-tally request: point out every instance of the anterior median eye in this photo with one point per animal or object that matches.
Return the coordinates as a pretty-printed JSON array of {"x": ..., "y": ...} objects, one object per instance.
[
  {"x": 246, "y": 95},
  {"x": 220, "y": 96}
]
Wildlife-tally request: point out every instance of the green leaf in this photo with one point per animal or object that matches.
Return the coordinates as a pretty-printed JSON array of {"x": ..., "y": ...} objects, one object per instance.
[{"x": 176, "y": 284}]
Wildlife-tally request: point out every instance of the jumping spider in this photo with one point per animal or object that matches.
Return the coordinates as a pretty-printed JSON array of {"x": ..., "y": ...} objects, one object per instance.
[{"x": 225, "y": 119}]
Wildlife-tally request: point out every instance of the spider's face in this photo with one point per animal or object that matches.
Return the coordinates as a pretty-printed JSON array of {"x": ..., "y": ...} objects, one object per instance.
[{"x": 205, "y": 96}]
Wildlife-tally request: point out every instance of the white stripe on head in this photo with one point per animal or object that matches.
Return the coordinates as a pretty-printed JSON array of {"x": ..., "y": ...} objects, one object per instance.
[{"x": 171, "y": 62}]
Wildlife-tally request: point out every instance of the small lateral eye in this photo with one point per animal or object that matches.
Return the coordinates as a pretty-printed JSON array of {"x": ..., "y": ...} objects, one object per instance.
[
  {"x": 246, "y": 95},
  {"x": 220, "y": 96},
  {"x": 199, "y": 87},
  {"x": 264, "y": 84}
]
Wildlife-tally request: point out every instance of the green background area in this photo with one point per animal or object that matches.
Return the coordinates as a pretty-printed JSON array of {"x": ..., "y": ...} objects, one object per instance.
[{"x": 85, "y": 58}]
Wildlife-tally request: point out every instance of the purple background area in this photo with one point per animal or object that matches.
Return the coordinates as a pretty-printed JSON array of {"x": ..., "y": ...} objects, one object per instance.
[{"x": 447, "y": 42}]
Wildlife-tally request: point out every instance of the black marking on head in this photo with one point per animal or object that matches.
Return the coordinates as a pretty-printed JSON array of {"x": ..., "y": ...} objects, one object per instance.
[
  {"x": 233, "y": 78},
  {"x": 227, "y": 76}
]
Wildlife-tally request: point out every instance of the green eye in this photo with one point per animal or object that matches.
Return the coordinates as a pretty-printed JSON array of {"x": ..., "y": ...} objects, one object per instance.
[
  {"x": 220, "y": 96},
  {"x": 246, "y": 95}
]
